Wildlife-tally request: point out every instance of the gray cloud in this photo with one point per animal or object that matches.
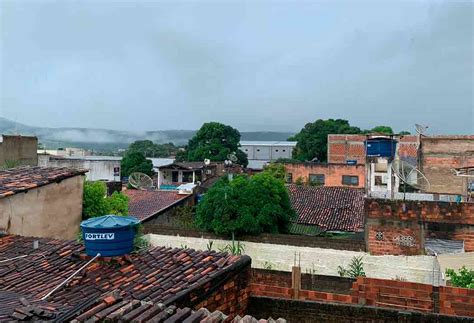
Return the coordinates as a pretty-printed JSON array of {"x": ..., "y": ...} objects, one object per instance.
[{"x": 256, "y": 65}]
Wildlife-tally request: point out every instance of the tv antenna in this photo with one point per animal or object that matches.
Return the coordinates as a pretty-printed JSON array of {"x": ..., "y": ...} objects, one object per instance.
[
  {"x": 420, "y": 129},
  {"x": 140, "y": 181},
  {"x": 410, "y": 175}
]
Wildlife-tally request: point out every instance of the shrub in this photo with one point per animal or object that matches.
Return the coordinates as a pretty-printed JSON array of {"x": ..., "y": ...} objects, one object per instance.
[
  {"x": 96, "y": 203},
  {"x": 465, "y": 277},
  {"x": 355, "y": 269}
]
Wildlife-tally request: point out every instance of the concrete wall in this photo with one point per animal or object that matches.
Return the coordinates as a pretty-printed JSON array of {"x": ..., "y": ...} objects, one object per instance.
[
  {"x": 53, "y": 210},
  {"x": 19, "y": 148},
  {"x": 422, "y": 269},
  {"x": 100, "y": 169},
  {"x": 439, "y": 155}
]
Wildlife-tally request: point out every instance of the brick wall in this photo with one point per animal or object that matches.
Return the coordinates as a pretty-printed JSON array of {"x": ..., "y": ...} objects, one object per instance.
[
  {"x": 456, "y": 301},
  {"x": 332, "y": 172},
  {"x": 310, "y": 311},
  {"x": 322, "y": 283},
  {"x": 22, "y": 149},
  {"x": 228, "y": 293},
  {"x": 439, "y": 154},
  {"x": 394, "y": 294},
  {"x": 397, "y": 227},
  {"x": 342, "y": 148}
]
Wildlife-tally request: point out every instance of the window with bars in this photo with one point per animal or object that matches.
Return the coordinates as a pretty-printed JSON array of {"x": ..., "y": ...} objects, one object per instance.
[{"x": 317, "y": 179}]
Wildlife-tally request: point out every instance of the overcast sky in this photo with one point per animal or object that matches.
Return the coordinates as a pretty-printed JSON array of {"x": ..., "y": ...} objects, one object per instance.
[{"x": 257, "y": 65}]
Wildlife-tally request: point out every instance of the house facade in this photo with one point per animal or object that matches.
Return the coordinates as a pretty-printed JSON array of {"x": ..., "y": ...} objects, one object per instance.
[{"x": 41, "y": 202}]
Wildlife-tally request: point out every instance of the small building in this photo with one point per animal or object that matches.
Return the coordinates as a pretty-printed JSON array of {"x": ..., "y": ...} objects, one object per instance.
[
  {"x": 325, "y": 209},
  {"x": 267, "y": 150},
  {"x": 322, "y": 174},
  {"x": 41, "y": 202},
  {"x": 173, "y": 175},
  {"x": 19, "y": 150},
  {"x": 155, "y": 207},
  {"x": 100, "y": 168}
]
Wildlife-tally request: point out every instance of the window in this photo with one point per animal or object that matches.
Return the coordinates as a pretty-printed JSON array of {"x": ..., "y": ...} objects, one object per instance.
[
  {"x": 316, "y": 179},
  {"x": 276, "y": 150},
  {"x": 289, "y": 178},
  {"x": 187, "y": 177},
  {"x": 174, "y": 177},
  {"x": 284, "y": 150},
  {"x": 258, "y": 149},
  {"x": 350, "y": 180}
]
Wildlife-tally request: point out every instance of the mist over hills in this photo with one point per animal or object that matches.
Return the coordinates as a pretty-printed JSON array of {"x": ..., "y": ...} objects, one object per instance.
[{"x": 105, "y": 139}]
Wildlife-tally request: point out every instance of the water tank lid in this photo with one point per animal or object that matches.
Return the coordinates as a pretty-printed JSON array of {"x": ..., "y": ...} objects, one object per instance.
[{"x": 109, "y": 221}]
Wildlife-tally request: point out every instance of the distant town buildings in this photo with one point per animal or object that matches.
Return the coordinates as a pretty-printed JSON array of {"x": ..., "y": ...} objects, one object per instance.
[
  {"x": 260, "y": 153},
  {"x": 18, "y": 150}
]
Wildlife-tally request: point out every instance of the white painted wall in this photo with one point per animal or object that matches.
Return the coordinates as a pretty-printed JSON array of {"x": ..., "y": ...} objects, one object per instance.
[{"x": 422, "y": 269}]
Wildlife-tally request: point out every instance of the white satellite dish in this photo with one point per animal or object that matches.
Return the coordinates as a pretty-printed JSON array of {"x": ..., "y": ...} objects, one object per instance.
[
  {"x": 207, "y": 162},
  {"x": 232, "y": 157},
  {"x": 140, "y": 181},
  {"x": 410, "y": 175},
  {"x": 420, "y": 129}
]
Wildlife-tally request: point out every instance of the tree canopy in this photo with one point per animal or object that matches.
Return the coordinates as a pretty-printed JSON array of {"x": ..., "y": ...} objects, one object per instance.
[
  {"x": 251, "y": 205},
  {"x": 97, "y": 203},
  {"x": 135, "y": 162},
  {"x": 214, "y": 141},
  {"x": 149, "y": 149},
  {"x": 382, "y": 129},
  {"x": 276, "y": 170},
  {"x": 313, "y": 138}
]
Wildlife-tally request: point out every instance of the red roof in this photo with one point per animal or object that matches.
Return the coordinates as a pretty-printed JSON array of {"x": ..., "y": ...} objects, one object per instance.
[
  {"x": 330, "y": 208},
  {"x": 158, "y": 275},
  {"x": 145, "y": 204},
  {"x": 21, "y": 179}
]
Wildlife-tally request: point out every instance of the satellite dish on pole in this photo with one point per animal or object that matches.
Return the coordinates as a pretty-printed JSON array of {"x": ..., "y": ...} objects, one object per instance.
[
  {"x": 207, "y": 162},
  {"x": 410, "y": 175},
  {"x": 420, "y": 129},
  {"x": 140, "y": 181}
]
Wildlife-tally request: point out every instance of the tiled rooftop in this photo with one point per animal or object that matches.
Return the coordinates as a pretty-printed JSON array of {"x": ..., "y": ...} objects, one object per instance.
[
  {"x": 21, "y": 179},
  {"x": 113, "y": 308},
  {"x": 158, "y": 275},
  {"x": 329, "y": 208},
  {"x": 145, "y": 204}
]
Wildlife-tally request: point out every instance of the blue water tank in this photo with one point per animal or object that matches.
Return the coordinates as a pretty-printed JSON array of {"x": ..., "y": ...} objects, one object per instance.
[
  {"x": 380, "y": 147},
  {"x": 109, "y": 235}
]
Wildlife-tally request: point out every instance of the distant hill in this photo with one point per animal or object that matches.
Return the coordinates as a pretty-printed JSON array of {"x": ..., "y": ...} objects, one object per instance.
[{"x": 104, "y": 139}]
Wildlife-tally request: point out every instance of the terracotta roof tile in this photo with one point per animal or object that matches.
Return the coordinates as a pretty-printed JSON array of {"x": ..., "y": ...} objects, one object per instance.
[
  {"x": 114, "y": 308},
  {"x": 329, "y": 208},
  {"x": 145, "y": 204},
  {"x": 21, "y": 179},
  {"x": 156, "y": 275}
]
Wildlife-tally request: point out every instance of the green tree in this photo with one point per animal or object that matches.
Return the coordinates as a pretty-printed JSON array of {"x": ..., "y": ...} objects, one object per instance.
[
  {"x": 96, "y": 203},
  {"x": 277, "y": 170},
  {"x": 215, "y": 141},
  {"x": 312, "y": 140},
  {"x": 117, "y": 203},
  {"x": 465, "y": 277},
  {"x": 135, "y": 162},
  {"x": 382, "y": 129},
  {"x": 149, "y": 149},
  {"x": 251, "y": 205}
]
